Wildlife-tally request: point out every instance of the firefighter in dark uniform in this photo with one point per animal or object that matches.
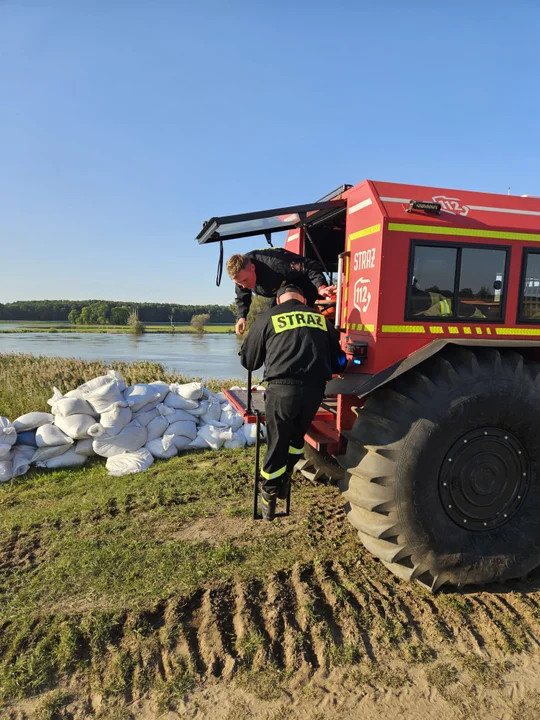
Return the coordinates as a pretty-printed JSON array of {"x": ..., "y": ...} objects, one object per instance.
[
  {"x": 300, "y": 352},
  {"x": 265, "y": 271}
]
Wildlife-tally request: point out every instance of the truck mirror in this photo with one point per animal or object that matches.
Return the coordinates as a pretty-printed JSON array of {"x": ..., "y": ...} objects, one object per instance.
[{"x": 497, "y": 285}]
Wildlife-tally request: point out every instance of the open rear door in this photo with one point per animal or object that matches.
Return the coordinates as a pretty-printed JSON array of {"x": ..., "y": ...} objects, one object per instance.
[{"x": 264, "y": 222}]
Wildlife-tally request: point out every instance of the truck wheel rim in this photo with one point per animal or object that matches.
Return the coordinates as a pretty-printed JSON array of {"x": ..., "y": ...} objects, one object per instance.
[{"x": 484, "y": 479}]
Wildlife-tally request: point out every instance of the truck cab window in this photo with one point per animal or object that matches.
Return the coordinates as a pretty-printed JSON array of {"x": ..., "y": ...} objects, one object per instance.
[{"x": 530, "y": 288}]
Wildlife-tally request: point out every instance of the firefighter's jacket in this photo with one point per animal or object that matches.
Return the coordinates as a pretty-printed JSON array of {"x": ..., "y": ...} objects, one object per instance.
[
  {"x": 295, "y": 344},
  {"x": 275, "y": 267}
]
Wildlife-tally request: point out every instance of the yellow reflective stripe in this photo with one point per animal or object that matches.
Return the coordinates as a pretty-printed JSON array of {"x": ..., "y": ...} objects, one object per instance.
[
  {"x": 436, "y": 329},
  {"x": 403, "y": 328},
  {"x": 465, "y": 232},
  {"x": 274, "y": 475},
  {"x": 488, "y": 330},
  {"x": 295, "y": 451},
  {"x": 517, "y": 331},
  {"x": 453, "y": 330},
  {"x": 478, "y": 331},
  {"x": 369, "y": 328},
  {"x": 363, "y": 233},
  {"x": 292, "y": 320},
  {"x": 467, "y": 330},
  {"x": 446, "y": 308}
]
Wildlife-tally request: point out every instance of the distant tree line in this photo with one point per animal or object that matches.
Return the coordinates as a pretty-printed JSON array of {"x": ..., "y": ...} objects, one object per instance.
[{"x": 103, "y": 312}]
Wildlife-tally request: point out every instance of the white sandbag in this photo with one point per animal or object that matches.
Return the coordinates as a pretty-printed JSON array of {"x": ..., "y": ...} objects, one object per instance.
[
  {"x": 31, "y": 421},
  {"x": 67, "y": 459},
  {"x": 49, "y": 435},
  {"x": 213, "y": 414},
  {"x": 141, "y": 394},
  {"x": 172, "y": 415},
  {"x": 183, "y": 427},
  {"x": 84, "y": 447},
  {"x": 5, "y": 449},
  {"x": 181, "y": 442},
  {"x": 21, "y": 457},
  {"x": 115, "y": 418},
  {"x": 162, "y": 386},
  {"x": 8, "y": 433},
  {"x": 42, "y": 454},
  {"x": 130, "y": 439},
  {"x": 75, "y": 426},
  {"x": 212, "y": 435},
  {"x": 156, "y": 428},
  {"x": 250, "y": 433},
  {"x": 199, "y": 444},
  {"x": 103, "y": 396},
  {"x": 235, "y": 441},
  {"x": 179, "y": 403},
  {"x": 209, "y": 395},
  {"x": 129, "y": 463},
  {"x": 98, "y": 382},
  {"x": 162, "y": 447},
  {"x": 201, "y": 408},
  {"x": 6, "y": 470},
  {"x": 189, "y": 391},
  {"x": 230, "y": 417},
  {"x": 61, "y": 405},
  {"x": 144, "y": 416}
]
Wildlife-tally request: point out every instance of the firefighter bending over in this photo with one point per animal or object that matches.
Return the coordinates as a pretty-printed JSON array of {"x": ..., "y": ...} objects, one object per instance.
[
  {"x": 265, "y": 271},
  {"x": 300, "y": 352}
]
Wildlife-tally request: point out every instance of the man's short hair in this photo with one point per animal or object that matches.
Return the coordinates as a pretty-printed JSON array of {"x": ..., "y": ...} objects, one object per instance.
[
  {"x": 290, "y": 289},
  {"x": 235, "y": 264}
]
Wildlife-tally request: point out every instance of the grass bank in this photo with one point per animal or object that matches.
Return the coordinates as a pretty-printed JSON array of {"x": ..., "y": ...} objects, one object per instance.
[
  {"x": 26, "y": 381},
  {"x": 63, "y": 328}
]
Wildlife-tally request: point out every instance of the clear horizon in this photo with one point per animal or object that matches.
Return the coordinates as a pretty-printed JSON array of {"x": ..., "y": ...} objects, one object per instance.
[{"x": 129, "y": 125}]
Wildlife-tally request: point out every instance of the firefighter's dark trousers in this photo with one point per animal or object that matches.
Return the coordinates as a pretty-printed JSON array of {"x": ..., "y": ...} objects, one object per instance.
[{"x": 289, "y": 410}]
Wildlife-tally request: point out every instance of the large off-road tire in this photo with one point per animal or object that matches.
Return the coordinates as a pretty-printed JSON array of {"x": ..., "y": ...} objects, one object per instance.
[
  {"x": 317, "y": 467},
  {"x": 442, "y": 469}
]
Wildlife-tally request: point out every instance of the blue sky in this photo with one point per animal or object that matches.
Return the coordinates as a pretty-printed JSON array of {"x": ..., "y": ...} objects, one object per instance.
[{"x": 124, "y": 124}]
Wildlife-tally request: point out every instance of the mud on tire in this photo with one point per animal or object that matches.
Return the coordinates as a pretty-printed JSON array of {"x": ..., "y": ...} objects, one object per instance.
[{"x": 442, "y": 469}]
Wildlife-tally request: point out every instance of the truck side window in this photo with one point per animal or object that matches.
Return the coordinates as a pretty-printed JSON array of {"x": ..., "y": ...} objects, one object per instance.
[
  {"x": 457, "y": 282},
  {"x": 530, "y": 288},
  {"x": 481, "y": 283}
]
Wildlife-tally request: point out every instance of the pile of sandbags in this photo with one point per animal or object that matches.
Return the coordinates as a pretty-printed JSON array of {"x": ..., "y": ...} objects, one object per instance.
[{"x": 130, "y": 426}]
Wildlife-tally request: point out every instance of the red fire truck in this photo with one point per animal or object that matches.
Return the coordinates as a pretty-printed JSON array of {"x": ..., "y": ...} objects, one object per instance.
[{"x": 432, "y": 432}]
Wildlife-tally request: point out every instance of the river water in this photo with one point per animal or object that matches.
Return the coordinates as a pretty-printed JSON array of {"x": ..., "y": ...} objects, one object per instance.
[{"x": 206, "y": 356}]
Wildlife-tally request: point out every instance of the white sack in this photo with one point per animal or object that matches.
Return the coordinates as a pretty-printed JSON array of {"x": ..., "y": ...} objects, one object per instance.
[
  {"x": 115, "y": 418},
  {"x": 199, "y": 444},
  {"x": 201, "y": 408},
  {"x": 75, "y": 426},
  {"x": 130, "y": 439},
  {"x": 213, "y": 414},
  {"x": 98, "y": 382},
  {"x": 103, "y": 396},
  {"x": 212, "y": 435},
  {"x": 21, "y": 457},
  {"x": 144, "y": 416},
  {"x": 139, "y": 395},
  {"x": 129, "y": 463},
  {"x": 181, "y": 442},
  {"x": 236, "y": 441},
  {"x": 31, "y": 421},
  {"x": 250, "y": 433},
  {"x": 61, "y": 405},
  {"x": 178, "y": 402},
  {"x": 8, "y": 433},
  {"x": 183, "y": 427},
  {"x": 162, "y": 447},
  {"x": 42, "y": 454},
  {"x": 6, "y": 470},
  {"x": 189, "y": 391},
  {"x": 172, "y": 415},
  {"x": 84, "y": 447},
  {"x": 163, "y": 387},
  {"x": 67, "y": 459},
  {"x": 50, "y": 434},
  {"x": 5, "y": 449},
  {"x": 209, "y": 395},
  {"x": 230, "y": 417},
  {"x": 156, "y": 428}
]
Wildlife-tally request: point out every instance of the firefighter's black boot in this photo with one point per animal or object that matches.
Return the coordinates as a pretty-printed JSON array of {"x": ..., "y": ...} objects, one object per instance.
[
  {"x": 268, "y": 505},
  {"x": 283, "y": 489}
]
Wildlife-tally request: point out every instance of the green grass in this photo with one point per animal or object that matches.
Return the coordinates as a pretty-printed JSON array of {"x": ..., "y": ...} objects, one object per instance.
[{"x": 66, "y": 328}]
